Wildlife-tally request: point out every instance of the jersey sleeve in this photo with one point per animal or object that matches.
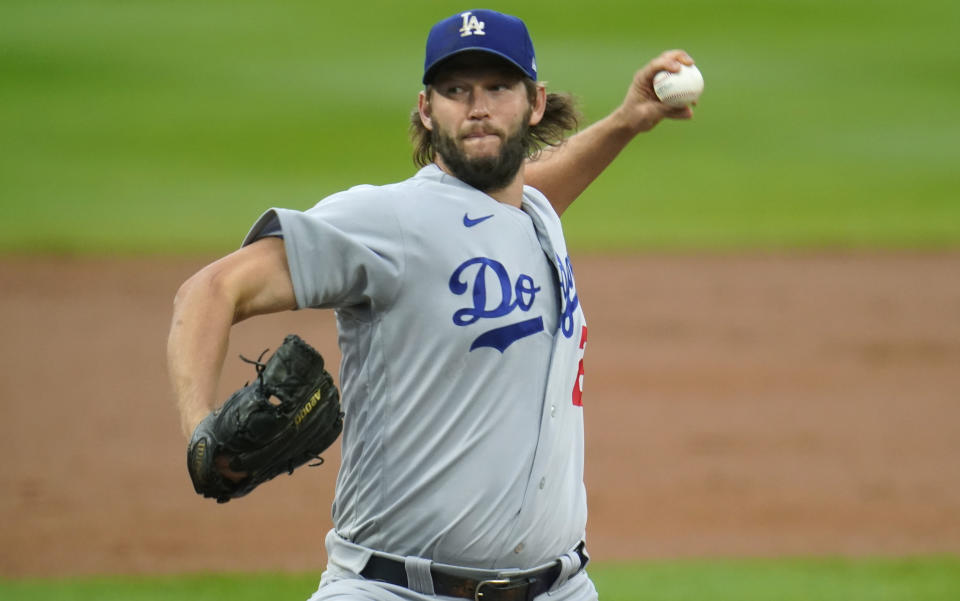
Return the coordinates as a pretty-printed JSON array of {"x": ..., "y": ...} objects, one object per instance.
[{"x": 347, "y": 251}]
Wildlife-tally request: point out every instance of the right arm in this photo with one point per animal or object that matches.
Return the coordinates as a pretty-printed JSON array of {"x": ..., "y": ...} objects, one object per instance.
[
  {"x": 250, "y": 281},
  {"x": 563, "y": 172}
]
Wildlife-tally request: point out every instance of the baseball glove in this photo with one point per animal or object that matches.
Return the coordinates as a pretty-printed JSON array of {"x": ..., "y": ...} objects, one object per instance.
[{"x": 285, "y": 418}]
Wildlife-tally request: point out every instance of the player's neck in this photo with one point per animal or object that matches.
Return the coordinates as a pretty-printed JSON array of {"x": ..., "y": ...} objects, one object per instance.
[{"x": 511, "y": 194}]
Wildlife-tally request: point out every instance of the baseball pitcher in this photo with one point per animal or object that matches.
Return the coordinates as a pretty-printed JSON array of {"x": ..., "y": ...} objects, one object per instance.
[{"x": 461, "y": 331}]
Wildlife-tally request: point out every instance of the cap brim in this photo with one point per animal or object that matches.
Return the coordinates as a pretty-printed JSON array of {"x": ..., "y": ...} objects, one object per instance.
[{"x": 431, "y": 70}]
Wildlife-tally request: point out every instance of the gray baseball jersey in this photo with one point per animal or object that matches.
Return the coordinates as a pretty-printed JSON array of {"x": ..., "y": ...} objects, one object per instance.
[{"x": 462, "y": 338}]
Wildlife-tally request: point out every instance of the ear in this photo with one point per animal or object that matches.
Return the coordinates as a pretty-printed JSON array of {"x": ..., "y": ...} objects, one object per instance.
[
  {"x": 423, "y": 107},
  {"x": 540, "y": 105}
]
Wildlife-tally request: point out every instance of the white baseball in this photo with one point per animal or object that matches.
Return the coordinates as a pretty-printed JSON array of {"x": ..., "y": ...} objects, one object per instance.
[{"x": 680, "y": 88}]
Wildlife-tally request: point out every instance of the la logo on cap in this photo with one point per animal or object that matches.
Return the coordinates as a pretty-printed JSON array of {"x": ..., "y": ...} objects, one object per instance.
[{"x": 471, "y": 26}]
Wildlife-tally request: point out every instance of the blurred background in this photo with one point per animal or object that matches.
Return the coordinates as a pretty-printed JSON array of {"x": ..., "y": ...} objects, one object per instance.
[
  {"x": 772, "y": 288},
  {"x": 159, "y": 126}
]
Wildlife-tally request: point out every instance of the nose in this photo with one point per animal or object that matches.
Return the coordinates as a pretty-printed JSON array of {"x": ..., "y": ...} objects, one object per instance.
[{"x": 479, "y": 104}]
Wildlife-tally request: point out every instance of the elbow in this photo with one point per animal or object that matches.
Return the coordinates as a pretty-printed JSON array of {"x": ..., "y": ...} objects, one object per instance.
[
  {"x": 207, "y": 288},
  {"x": 183, "y": 292},
  {"x": 198, "y": 286}
]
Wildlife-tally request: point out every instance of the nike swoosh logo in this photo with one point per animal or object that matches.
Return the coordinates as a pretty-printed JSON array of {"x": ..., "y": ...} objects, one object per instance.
[{"x": 472, "y": 222}]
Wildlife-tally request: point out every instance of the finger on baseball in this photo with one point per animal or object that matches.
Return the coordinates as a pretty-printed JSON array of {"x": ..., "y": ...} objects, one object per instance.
[
  {"x": 671, "y": 60},
  {"x": 681, "y": 112}
]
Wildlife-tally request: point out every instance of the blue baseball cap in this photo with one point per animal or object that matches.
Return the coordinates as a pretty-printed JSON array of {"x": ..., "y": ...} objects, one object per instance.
[{"x": 484, "y": 31}]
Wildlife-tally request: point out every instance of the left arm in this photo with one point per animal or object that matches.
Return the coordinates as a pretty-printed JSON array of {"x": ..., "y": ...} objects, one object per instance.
[{"x": 562, "y": 173}]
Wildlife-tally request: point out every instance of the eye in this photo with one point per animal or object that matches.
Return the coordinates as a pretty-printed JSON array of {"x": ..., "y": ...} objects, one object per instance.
[{"x": 453, "y": 90}]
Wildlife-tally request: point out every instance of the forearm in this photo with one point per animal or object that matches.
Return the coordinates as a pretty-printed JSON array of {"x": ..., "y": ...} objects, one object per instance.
[
  {"x": 251, "y": 281},
  {"x": 564, "y": 172},
  {"x": 197, "y": 344}
]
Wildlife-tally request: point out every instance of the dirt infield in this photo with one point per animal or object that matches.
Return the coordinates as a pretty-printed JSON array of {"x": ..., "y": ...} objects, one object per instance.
[{"x": 736, "y": 405}]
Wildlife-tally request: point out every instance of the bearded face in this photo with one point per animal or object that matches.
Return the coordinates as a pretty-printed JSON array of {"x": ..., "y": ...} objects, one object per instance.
[{"x": 486, "y": 173}]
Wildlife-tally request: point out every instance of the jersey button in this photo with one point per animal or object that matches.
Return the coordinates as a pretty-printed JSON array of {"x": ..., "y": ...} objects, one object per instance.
[
  {"x": 542, "y": 482},
  {"x": 518, "y": 548},
  {"x": 553, "y": 410}
]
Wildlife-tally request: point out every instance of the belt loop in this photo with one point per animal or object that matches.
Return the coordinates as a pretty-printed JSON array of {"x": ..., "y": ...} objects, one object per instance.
[
  {"x": 419, "y": 577},
  {"x": 581, "y": 550},
  {"x": 570, "y": 564}
]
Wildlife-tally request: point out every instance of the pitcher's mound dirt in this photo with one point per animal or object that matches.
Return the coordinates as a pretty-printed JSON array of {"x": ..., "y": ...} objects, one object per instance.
[{"x": 736, "y": 405}]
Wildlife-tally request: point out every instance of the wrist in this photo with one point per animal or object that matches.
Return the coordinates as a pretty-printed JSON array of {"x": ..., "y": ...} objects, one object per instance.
[
  {"x": 190, "y": 421},
  {"x": 634, "y": 118},
  {"x": 624, "y": 121}
]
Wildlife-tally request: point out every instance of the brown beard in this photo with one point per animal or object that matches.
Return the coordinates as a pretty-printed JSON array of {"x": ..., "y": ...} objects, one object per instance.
[{"x": 486, "y": 174}]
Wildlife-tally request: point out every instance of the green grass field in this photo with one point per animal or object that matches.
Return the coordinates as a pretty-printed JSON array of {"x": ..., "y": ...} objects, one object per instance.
[
  {"x": 916, "y": 579},
  {"x": 166, "y": 126}
]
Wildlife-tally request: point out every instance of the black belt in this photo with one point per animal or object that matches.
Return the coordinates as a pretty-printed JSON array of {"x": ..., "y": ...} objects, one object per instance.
[{"x": 517, "y": 588}]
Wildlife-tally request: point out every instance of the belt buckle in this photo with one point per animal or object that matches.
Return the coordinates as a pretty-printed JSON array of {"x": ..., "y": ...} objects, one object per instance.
[{"x": 502, "y": 584}]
